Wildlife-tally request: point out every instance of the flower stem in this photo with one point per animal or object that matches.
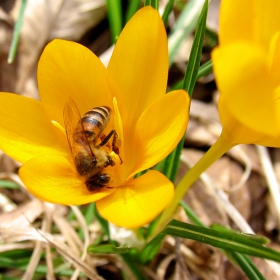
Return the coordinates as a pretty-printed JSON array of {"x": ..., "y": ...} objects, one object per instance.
[{"x": 220, "y": 147}]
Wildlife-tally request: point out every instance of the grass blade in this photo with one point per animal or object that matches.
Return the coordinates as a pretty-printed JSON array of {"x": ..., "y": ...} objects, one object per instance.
[
  {"x": 114, "y": 8},
  {"x": 167, "y": 11},
  {"x": 195, "y": 55},
  {"x": 16, "y": 34},
  {"x": 133, "y": 6},
  {"x": 184, "y": 27},
  {"x": 221, "y": 239}
]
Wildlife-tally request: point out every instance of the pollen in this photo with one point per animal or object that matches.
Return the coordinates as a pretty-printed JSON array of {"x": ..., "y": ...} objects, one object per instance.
[{"x": 115, "y": 157}]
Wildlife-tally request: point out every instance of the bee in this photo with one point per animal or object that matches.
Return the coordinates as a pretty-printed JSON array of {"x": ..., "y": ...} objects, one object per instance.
[{"x": 83, "y": 134}]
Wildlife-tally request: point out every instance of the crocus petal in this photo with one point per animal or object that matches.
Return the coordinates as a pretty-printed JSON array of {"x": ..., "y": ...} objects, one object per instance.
[
  {"x": 158, "y": 132},
  {"x": 252, "y": 20},
  {"x": 247, "y": 93},
  {"x": 266, "y": 20},
  {"x": 67, "y": 69},
  {"x": 25, "y": 130},
  {"x": 274, "y": 58},
  {"x": 236, "y": 21},
  {"x": 138, "y": 202},
  {"x": 53, "y": 178},
  {"x": 139, "y": 64}
]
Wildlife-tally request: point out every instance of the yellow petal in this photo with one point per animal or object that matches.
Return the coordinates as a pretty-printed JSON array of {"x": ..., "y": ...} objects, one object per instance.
[
  {"x": 25, "y": 130},
  {"x": 67, "y": 69},
  {"x": 138, "y": 202},
  {"x": 159, "y": 130},
  {"x": 53, "y": 178},
  {"x": 236, "y": 21},
  {"x": 266, "y": 20},
  {"x": 252, "y": 20},
  {"x": 139, "y": 64},
  {"x": 248, "y": 95},
  {"x": 274, "y": 58}
]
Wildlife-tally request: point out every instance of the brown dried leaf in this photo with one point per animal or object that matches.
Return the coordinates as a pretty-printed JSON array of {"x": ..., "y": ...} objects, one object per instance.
[
  {"x": 23, "y": 216},
  {"x": 45, "y": 20},
  {"x": 198, "y": 197}
]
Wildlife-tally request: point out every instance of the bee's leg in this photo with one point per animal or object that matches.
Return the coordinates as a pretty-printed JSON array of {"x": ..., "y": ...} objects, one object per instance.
[
  {"x": 105, "y": 140},
  {"x": 109, "y": 162},
  {"x": 102, "y": 137},
  {"x": 115, "y": 146},
  {"x": 114, "y": 142},
  {"x": 98, "y": 182}
]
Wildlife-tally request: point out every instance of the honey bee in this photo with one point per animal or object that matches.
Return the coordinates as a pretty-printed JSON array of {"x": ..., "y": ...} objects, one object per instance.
[{"x": 83, "y": 133}]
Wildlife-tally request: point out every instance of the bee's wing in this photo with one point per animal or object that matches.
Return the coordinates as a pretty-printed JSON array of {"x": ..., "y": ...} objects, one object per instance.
[{"x": 74, "y": 128}]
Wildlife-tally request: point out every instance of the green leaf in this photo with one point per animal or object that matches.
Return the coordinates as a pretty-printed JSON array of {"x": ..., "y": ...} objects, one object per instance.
[
  {"x": 133, "y": 267},
  {"x": 184, "y": 26},
  {"x": 195, "y": 55},
  {"x": 247, "y": 266},
  {"x": 191, "y": 215},
  {"x": 261, "y": 240},
  {"x": 114, "y": 8},
  {"x": 108, "y": 249},
  {"x": 104, "y": 223},
  {"x": 8, "y": 184},
  {"x": 147, "y": 2},
  {"x": 133, "y": 6},
  {"x": 167, "y": 11},
  {"x": 242, "y": 260},
  {"x": 172, "y": 161},
  {"x": 205, "y": 69},
  {"x": 16, "y": 34},
  {"x": 155, "y": 4},
  {"x": 151, "y": 249},
  {"x": 89, "y": 216},
  {"x": 240, "y": 243}
]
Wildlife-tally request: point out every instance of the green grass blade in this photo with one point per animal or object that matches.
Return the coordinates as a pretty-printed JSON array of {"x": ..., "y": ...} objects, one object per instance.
[
  {"x": 147, "y": 2},
  {"x": 155, "y": 4},
  {"x": 242, "y": 260},
  {"x": 168, "y": 164},
  {"x": 8, "y": 184},
  {"x": 114, "y": 8},
  {"x": 132, "y": 8},
  {"x": 108, "y": 249},
  {"x": 104, "y": 223},
  {"x": 247, "y": 266},
  {"x": 133, "y": 267},
  {"x": 225, "y": 240},
  {"x": 151, "y": 249},
  {"x": 191, "y": 215},
  {"x": 261, "y": 240},
  {"x": 205, "y": 69},
  {"x": 173, "y": 160},
  {"x": 167, "y": 11},
  {"x": 176, "y": 163},
  {"x": 159, "y": 166},
  {"x": 16, "y": 34},
  {"x": 195, "y": 55},
  {"x": 184, "y": 26},
  {"x": 88, "y": 213}
]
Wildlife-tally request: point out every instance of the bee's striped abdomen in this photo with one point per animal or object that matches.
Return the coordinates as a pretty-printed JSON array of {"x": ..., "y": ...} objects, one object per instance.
[{"x": 95, "y": 121}]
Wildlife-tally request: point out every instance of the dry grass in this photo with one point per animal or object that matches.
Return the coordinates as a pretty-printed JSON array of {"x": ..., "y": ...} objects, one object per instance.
[{"x": 240, "y": 190}]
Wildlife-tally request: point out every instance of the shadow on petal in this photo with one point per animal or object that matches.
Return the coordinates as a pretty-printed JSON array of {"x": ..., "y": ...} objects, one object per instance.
[
  {"x": 138, "y": 202},
  {"x": 53, "y": 178},
  {"x": 159, "y": 130}
]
